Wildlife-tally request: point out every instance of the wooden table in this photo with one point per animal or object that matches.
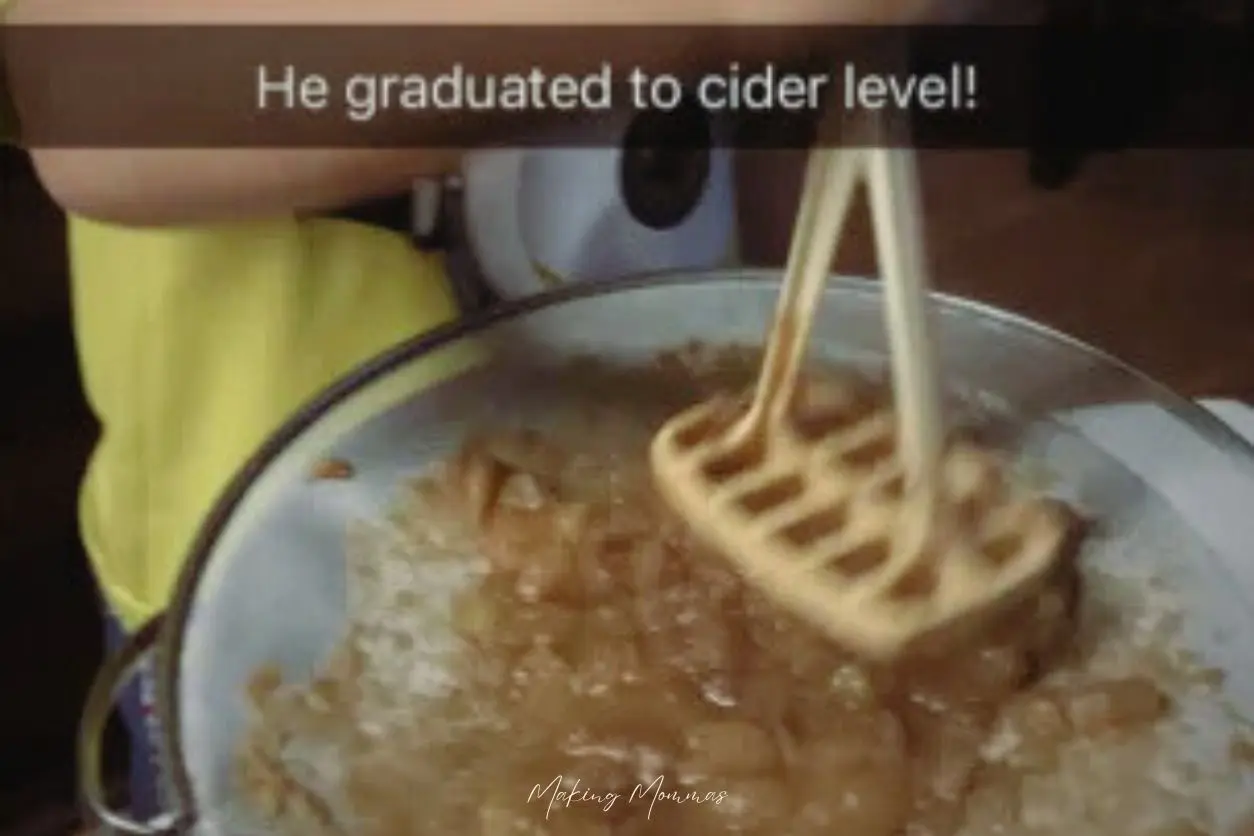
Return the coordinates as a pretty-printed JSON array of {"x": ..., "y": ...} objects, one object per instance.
[{"x": 1149, "y": 255}]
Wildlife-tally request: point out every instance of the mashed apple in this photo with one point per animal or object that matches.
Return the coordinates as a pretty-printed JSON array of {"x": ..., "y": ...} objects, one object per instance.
[{"x": 612, "y": 678}]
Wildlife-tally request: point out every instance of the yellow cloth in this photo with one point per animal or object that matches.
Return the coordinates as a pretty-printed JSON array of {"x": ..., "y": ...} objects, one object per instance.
[{"x": 195, "y": 344}]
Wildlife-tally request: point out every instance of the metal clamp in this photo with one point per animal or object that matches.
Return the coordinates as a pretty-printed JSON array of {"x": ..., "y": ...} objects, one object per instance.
[{"x": 113, "y": 676}]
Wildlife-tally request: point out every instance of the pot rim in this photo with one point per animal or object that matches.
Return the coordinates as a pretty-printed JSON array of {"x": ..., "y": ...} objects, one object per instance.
[{"x": 174, "y": 620}]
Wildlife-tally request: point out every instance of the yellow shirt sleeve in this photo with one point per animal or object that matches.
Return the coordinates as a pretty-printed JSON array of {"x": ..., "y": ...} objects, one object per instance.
[{"x": 196, "y": 343}]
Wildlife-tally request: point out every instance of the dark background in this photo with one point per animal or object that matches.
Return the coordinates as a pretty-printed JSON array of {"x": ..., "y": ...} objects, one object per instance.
[{"x": 50, "y": 629}]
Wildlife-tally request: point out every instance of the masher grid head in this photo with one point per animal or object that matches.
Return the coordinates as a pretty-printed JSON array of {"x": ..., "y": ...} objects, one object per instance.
[{"x": 821, "y": 522}]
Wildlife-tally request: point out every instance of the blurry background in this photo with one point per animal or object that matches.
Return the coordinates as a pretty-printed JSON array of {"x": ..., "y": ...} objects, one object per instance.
[{"x": 1149, "y": 255}]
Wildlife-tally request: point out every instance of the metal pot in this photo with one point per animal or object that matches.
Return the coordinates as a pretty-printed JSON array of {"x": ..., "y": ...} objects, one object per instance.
[{"x": 264, "y": 581}]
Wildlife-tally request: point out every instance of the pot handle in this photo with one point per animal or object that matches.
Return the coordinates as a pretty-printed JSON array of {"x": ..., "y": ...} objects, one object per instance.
[{"x": 112, "y": 677}]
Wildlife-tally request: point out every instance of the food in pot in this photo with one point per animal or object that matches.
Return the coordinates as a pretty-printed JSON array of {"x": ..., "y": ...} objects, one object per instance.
[{"x": 609, "y": 677}]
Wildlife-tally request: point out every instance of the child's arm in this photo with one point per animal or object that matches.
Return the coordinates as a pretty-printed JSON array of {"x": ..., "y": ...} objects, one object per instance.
[
  {"x": 153, "y": 187},
  {"x": 163, "y": 187}
]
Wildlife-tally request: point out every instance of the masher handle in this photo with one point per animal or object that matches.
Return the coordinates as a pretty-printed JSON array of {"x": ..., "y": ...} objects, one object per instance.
[
  {"x": 830, "y": 179},
  {"x": 896, "y": 212}
]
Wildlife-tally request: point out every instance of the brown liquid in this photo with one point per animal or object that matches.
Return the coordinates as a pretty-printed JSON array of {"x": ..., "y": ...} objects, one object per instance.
[
  {"x": 608, "y": 656},
  {"x": 627, "y": 667}
]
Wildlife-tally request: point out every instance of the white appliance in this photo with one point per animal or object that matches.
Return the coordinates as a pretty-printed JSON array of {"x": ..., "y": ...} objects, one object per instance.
[{"x": 642, "y": 194}]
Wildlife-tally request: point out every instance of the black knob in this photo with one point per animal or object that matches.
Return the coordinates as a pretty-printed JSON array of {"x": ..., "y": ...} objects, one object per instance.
[{"x": 665, "y": 164}]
